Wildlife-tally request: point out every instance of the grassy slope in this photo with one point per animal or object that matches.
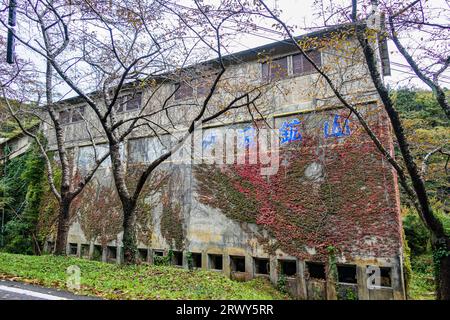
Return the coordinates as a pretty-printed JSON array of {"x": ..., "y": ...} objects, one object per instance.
[{"x": 133, "y": 282}]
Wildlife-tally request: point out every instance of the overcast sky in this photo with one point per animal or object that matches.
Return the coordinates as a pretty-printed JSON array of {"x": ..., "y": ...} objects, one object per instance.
[{"x": 301, "y": 14}]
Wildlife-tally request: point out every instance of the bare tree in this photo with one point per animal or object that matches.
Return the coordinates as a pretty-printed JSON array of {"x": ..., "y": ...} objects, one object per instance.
[
  {"x": 17, "y": 91},
  {"x": 69, "y": 188},
  {"x": 127, "y": 51},
  {"x": 417, "y": 18}
]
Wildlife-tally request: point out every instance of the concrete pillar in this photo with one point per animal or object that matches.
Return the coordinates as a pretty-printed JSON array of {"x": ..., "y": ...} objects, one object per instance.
[
  {"x": 185, "y": 260},
  {"x": 331, "y": 291},
  {"x": 67, "y": 248},
  {"x": 150, "y": 256},
  {"x": 226, "y": 264},
  {"x": 79, "y": 249},
  {"x": 331, "y": 281},
  {"x": 273, "y": 269},
  {"x": 302, "y": 290},
  {"x": 104, "y": 253},
  {"x": 205, "y": 263},
  {"x": 397, "y": 279},
  {"x": 91, "y": 250},
  {"x": 249, "y": 267},
  {"x": 361, "y": 278},
  {"x": 118, "y": 254}
]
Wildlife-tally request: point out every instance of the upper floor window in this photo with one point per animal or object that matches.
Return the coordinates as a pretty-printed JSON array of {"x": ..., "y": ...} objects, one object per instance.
[
  {"x": 71, "y": 115},
  {"x": 130, "y": 102},
  {"x": 64, "y": 116},
  {"x": 297, "y": 64},
  {"x": 275, "y": 69},
  {"x": 300, "y": 65},
  {"x": 184, "y": 91},
  {"x": 204, "y": 85},
  {"x": 78, "y": 114}
]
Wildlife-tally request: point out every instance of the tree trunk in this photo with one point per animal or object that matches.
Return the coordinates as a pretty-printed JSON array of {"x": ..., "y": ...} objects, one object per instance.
[
  {"x": 63, "y": 228},
  {"x": 441, "y": 253},
  {"x": 432, "y": 223},
  {"x": 129, "y": 234}
]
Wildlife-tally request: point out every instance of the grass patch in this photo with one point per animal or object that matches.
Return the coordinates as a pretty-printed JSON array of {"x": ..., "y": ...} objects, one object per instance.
[
  {"x": 422, "y": 285},
  {"x": 112, "y": 281}
]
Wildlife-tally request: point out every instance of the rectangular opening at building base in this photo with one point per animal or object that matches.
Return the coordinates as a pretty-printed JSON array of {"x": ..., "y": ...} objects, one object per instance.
[
  {"x": 196, "y": 260},
  {"x": 347, "y": 273},
  {"x": 97, "y": 254},
  {"x": 215, "y": 261},
  {"x": 385, "y": 274},
  {"x": 85, "y": 250},
  {"x": 262, "y": 266},
  {"x": 50, "y": 246},
  {"x": 158, "y": 253},
  {"x": 111, "y": 253},
  {"x": 177, "y": 258},
  {"x": 316, "y": 270},
  {"x": 288, "y": 267},
  {"x": 237, "y": 263},
  {"x": 143, "y": 254},
  {"x": 73, "y": 249}
]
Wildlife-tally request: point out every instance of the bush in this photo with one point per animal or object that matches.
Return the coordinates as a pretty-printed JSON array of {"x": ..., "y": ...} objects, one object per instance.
[{"x": 416, "y": 233}]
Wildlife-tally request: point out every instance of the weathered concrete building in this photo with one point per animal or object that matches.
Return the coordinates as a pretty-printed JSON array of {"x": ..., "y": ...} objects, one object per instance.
[
  {"x": 13, "y": 146},
  {"x": 325, "y": 216}
]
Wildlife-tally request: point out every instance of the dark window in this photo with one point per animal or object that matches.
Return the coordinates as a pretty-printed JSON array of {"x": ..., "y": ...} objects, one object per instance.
[
  {"x": 158, "y": 253},
  {"x": 77, "y": 114},
  {"x": 84, "y": 250},
  {"x": 196, "y": 260},
  {"x": 98, "y": 252},
  {"x": 71, "y": 115},
  {"x": 129, "y": 102},
  {"x": 112, "y": 252},
  {"x": 121, "y": 105},
  {"x": 184, "y": 91},
  {"x": 237, "y": 263},
  {"x": 275, "y": 69},
  {"x": 316, "y": 270},
  {"x": 143, "y": 254},
  {"x": 347, "y": 273},
  {"x": 288, "y": 267},
  {"x": 215, "y": 261},
  {"x": 262, "y": 266},
  {"x": 177, "y": 258},
  {"x": 204, "y": 86},
  {"x": 64, "y": 116},
  {"x": 302, "y": 66},
  {"x": 73, "y": 249},
  {"x": 385, "y": 274},
  {"x": 50, "y": 246},
  {"x": 134, "y": 102}
]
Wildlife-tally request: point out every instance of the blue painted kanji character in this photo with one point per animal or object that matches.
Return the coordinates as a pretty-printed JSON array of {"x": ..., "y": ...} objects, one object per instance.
[
  {"x": 247, "y": 136},
  {"x": 337, "y": 130},
  {"x": 290, "y": 131},
  {"x": 209, "y": 140}
]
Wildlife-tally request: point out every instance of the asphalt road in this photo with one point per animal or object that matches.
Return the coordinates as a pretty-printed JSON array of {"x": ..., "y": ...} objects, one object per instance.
[{"x": 11, "y": 290}]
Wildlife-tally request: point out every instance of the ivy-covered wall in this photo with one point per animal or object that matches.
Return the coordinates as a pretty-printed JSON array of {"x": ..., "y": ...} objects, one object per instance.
[
  {"x": 22, "y": 188},
  {"x": 332, "y": 189}
]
